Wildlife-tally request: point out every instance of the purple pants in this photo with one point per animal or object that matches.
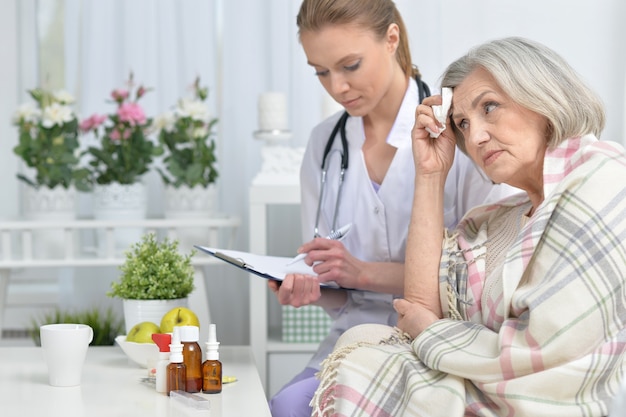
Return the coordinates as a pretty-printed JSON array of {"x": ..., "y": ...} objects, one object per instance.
[{"x": 293, "y": 399}]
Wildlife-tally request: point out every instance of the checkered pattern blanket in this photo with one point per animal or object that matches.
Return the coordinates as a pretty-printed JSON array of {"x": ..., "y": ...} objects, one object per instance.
[{"x": 546, "y": 338}]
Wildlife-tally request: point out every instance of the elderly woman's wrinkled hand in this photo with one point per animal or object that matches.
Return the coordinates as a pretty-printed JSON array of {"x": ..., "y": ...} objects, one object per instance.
[
  {"x": 431, "y": 155},
  {"x": 413, "y": 318}
]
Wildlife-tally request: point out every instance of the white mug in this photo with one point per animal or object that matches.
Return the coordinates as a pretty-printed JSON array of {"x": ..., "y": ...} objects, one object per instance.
[{"x": 65, "y": 347}]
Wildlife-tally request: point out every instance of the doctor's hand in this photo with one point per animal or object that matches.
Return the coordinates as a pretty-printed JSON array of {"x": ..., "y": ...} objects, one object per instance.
[
  {"x": 331, "y": 261},
  {"x": 296, "y": 290},
  {"x": 413, "y": 318},
  {"x": 432, "y": 155}
]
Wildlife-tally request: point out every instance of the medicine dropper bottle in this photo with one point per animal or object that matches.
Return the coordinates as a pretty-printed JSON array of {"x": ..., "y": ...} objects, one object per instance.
[
  {"x": 212, "y": 367},
  {"x": 192, "y": 357},
  {"x": 163, "y": 341},
  {"x": 176, "y": 372}
]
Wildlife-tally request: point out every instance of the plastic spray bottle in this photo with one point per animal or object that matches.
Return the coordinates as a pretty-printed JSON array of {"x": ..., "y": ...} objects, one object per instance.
[
  {"x": 212, "y": 367},
  {"x": 176, "y": 372},
  {"x": 192, "y": 357},
  {"x": 163, "y": 341}
]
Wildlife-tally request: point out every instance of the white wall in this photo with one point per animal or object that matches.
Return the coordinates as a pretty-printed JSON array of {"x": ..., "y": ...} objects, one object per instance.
[
  {"x": 589, "y": 34},
  {"x": 257, "y": 50}
]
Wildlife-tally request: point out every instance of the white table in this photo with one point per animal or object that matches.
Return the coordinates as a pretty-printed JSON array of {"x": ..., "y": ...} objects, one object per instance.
[{"x": 111, "y": 386}]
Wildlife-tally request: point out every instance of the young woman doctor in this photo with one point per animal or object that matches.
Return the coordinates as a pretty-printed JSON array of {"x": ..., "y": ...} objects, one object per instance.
[{"x": 360, "y": 53}]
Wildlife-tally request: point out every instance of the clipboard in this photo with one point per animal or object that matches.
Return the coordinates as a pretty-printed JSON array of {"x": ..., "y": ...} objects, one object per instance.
[{"x": 268, "y": 267}]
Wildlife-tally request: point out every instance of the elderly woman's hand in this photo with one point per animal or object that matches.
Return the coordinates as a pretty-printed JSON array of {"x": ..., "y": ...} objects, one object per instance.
[
  {"x": 413, "y": 318},
  {"x": 431, "y": 155}
]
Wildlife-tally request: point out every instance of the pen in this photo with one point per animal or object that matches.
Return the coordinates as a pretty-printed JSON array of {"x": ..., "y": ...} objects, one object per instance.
[{"x": 336, "y": 235}]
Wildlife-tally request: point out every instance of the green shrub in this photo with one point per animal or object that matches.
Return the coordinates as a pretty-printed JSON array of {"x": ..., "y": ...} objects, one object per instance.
[
  {"x": 154, "y": 270},
  {"x": 106, "y": 325}
]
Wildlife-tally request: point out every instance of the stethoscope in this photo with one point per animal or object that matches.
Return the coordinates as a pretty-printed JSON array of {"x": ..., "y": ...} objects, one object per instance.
[{"x": 340, "y": 127}]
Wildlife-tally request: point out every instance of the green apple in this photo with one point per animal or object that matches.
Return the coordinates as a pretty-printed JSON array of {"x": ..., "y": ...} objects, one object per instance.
[
  {"x": 178, "y": 316},
  {"x": 142, "y": 332}
]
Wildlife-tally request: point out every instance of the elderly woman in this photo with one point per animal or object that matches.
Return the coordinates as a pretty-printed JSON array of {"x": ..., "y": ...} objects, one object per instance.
[{"x": 521, "y": 310}]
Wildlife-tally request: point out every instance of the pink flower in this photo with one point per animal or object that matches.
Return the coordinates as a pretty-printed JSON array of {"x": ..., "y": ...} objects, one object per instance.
[
  {"x": 119, "y": 95},
  {"x": 92, "y": 123},
  {"x": 141, "y": 91},
  {"x": 116, "y": 135},
  {"x": 131, "y": 113}
]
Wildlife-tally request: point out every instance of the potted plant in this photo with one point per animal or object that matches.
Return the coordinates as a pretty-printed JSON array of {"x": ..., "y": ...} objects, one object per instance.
[
  {"x": 124, "y": 154},
  {"x": 155, "y": 277},
  {"x": 48, "y": 141},
  {"x": 106, "y": 324},
  {"x": 189, "y": 173},
  {"x": 49, "y": 146}
]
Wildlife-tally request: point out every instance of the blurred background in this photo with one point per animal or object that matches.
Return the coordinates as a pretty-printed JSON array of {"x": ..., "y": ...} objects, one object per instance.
[{"x": 241, "y": 49}]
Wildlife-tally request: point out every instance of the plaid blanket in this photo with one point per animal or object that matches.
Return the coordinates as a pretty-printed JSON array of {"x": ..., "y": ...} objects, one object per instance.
[{"x": 546, "y": 337}]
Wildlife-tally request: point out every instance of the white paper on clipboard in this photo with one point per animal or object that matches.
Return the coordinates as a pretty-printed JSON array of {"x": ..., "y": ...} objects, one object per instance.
[{"x": 269, "y": 267}]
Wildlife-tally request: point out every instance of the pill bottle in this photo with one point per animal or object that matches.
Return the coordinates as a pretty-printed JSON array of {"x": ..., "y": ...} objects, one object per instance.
[{"x": 192, "y": 357}]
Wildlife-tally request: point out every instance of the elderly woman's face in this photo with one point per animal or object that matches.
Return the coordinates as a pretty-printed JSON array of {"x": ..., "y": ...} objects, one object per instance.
[{"x": 506, "y": 140}]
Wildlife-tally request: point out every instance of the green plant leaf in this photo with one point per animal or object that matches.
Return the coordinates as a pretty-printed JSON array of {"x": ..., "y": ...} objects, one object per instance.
[
  {"x": 154, "y": 270},
  {"x": 106, "y": 324}
]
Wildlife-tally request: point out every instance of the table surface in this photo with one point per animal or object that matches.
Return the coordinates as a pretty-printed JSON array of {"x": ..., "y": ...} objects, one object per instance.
[{"x": 112, "y": 386}]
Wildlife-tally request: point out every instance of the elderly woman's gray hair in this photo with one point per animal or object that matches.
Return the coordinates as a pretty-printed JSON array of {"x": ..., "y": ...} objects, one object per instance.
[{"x": 537, "y": 78}]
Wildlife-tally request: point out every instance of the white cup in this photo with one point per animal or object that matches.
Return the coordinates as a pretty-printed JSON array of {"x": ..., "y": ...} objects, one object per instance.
[{"x": 65, "y": 347}]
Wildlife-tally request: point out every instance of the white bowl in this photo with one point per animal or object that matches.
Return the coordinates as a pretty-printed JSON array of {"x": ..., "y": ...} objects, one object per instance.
[{"x": 143, "y": 354}]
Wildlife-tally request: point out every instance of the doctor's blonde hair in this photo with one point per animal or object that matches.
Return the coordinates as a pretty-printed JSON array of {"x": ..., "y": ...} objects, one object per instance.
[{"x": 374, "y": 15}]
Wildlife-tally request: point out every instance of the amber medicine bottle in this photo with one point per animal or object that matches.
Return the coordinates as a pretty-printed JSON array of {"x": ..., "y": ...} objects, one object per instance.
[
  {"x": 176, "y": 372},
  {"x": 212, "y": 367},
  {"x": 192, "y": 357}
]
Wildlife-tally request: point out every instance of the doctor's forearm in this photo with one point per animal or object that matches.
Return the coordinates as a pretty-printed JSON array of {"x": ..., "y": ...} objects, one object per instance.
[{"x": 382, "y": 277}]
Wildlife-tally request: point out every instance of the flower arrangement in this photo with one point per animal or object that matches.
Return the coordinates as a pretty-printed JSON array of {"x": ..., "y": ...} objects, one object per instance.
[
  {"x": 48, "y": 141},
  {"x": 125, "y": 151},
  {"x": 187, "y": 135},
  {"x": 154, "y": 270}
]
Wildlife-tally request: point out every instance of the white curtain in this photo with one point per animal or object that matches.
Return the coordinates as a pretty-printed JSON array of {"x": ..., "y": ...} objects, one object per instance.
[{"x": 166, "y": 44}]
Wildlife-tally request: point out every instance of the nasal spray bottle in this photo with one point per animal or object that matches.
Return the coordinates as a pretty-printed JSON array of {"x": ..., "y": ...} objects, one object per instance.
[
  {"x": 176, "y": 372},
  {"x": 212, "y": 367},
  {"x": 163, "y": 341}
]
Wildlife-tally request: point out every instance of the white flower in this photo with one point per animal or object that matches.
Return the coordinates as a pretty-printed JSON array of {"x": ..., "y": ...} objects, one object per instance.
[
  {"x": 63, "y": 97},
  {"x": 27, "y": 112},
  {"x": 200, "y": 132},
  {"x": 195, "y": 109},
  {"x": 56, "y": 114},
  {"x": 166, "y": 122}
]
